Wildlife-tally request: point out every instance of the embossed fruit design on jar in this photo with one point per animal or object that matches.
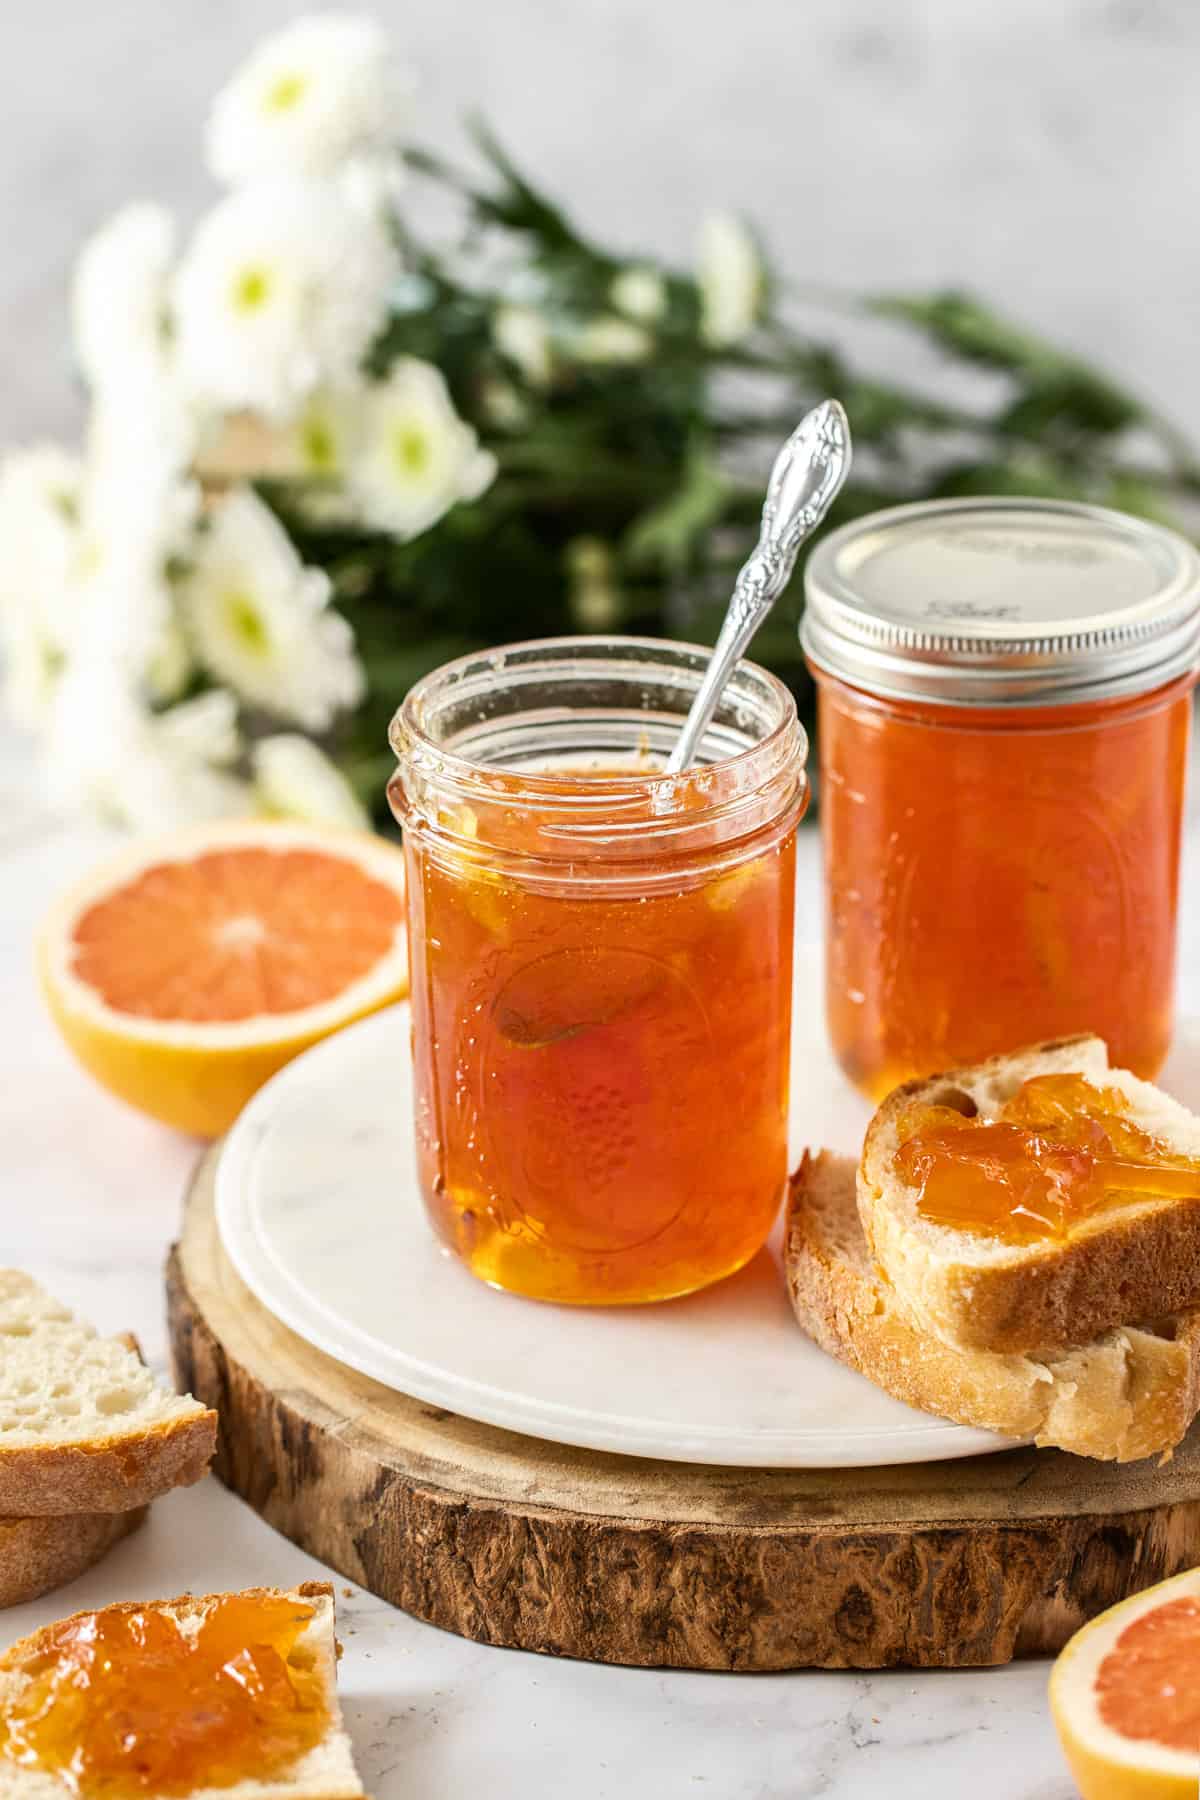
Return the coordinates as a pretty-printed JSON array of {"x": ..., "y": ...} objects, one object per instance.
[
  {"x": 601, "y": 962},
  {"x": 1004, "y": 714}
]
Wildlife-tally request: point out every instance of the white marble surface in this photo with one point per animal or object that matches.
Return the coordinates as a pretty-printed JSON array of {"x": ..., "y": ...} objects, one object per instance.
[{"x": 89, "y": 1201}]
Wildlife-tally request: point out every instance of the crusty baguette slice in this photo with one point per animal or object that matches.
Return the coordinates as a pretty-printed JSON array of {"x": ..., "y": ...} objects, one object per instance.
[
  {"x": 1140, "y": 1260},
  {"x": 1131, "y": 1392},
  {"x": 84, "y": 1425},
  {"x": 326, "y": 1772},
  {"x": 37, "y": 1555},
  {"x": 43, "y": 1553}
]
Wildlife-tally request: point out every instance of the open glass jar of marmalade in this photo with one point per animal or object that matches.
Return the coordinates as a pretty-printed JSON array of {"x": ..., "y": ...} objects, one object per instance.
[
  {"x": 1004, "y": 709},
  {"x": 601, "y": 964}
]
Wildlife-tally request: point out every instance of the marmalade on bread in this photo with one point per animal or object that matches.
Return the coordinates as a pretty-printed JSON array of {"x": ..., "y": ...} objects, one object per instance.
[
  {"x": 132, "y": 1700},
  {"x": 1060, "y": 1150}
]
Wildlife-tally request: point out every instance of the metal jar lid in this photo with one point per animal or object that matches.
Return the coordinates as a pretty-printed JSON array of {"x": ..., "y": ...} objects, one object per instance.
[{"x": 1023, "y": 602}]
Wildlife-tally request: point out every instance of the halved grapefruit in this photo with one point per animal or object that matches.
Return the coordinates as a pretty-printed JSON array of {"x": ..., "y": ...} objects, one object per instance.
[
  {"x": 1125, "y": 1695},
  {"x": 188, "y": 970}
]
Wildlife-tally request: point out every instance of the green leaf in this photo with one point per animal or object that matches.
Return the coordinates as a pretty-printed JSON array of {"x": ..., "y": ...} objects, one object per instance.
[
  {"x": 1136, "y": 494},
  {"x": 667, "y": 536},
  {"x": 877, "y": 410},
  {"x": 1041, "y": 479},
  {"x": 394, "y": 671},
  {"x": 518, "y": 204},
  {"x": 965, "y": 326},
  {"x": 1074, "y": 400}
]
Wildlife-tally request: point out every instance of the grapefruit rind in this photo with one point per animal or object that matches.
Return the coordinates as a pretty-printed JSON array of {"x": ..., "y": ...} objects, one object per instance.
[
  {"x": 197, "y": 1075},
  {"x": 1107, "y": 1765}
]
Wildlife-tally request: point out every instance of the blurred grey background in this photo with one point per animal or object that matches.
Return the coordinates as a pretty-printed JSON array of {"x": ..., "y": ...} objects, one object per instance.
[{"x": 1043, "y": 152}]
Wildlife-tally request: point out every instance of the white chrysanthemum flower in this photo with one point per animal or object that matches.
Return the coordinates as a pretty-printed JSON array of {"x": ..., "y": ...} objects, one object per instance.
[
  {"x": 169, "y": 666},
  {"x": 294, "y": 779},
  {"x": 260, "y": 620},
  {"x": 33, "y": 662},
  {"x": 148, "y": 771},
  {"x": 640, "y": 293},
  {"x": 205, "y": 728},
  {"x": 595, "y": 595},
  {"x": 126, "y": 616},
  {"x": 501, "y": 405},
  {"x": 608, "y": 339},
  {"x": 325, "y": 433},
  {"x": 119, "y": 297},
  {"x": 138, "y": 511},
  {"x": 373, "y": 185},
  {"x": 137, "y": 479},
  {"x": 282, "y": 288},
  {"x": 39, "y": 545},
  {"x": 731, "y": 279},
  {"x": 321, "y": 90},
  {"x": 520, "y": 333},
  {"x": 143, "y": 430},
  {"x": 417, "y": 458}
]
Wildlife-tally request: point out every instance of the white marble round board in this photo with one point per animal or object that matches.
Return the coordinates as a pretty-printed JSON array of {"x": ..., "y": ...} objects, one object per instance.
[{"x": 319, "y": 1211}]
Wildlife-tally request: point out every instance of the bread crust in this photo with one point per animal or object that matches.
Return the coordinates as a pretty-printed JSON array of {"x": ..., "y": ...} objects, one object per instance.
[
  {"x": 17, "y": 1654},
  {"x": 117, "y": 1474},
  {"x": 40, "y": 1554},
  {"x": 1130, "y": 1393},
  {"x": 1143, "y": 1263}
]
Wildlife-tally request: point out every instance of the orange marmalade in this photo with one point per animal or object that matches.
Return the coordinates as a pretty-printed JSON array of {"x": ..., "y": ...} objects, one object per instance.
[
  {"x": 601, "y": 982},
  {"x": 1060, "y": 1150},
  {"x": 994, "y": 879},
  {"x": 137, "y": 1701},
  {"x": 1004, "y": 709}
]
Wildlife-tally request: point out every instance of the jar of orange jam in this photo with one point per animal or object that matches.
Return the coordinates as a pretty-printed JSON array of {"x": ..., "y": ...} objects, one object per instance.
[
  {"x": 601, "y": 964},
  {"x": 1004, "y": 694}
]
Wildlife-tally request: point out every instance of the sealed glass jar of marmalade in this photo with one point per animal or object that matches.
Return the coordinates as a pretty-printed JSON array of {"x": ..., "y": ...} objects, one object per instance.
[
  {"x": 1004, "y": 693},
  {"x": 601, "y": 961}
]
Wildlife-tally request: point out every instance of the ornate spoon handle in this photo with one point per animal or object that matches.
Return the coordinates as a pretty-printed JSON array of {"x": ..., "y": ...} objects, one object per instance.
[{"x": 805, "y": 479}]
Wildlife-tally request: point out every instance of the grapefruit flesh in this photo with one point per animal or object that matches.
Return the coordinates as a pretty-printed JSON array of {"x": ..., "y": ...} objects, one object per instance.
[
  {"x": 188, "y": 971},
  {"x": 1148, "y": 1686},
  {"x": 1125, "y": 1695}
]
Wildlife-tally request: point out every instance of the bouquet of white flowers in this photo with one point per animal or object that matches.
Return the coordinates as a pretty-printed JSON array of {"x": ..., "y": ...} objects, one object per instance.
[{"x": 326, "y": 449}]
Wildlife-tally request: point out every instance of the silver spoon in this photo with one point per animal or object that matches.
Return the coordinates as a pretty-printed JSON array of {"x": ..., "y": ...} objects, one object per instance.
[{"x": 804, "y": 482}]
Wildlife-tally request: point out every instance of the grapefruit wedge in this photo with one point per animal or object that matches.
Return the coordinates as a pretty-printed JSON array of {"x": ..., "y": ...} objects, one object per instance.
[
  {"x": 1125, "y": 1695},
  {"x": 188, "y": 970}
]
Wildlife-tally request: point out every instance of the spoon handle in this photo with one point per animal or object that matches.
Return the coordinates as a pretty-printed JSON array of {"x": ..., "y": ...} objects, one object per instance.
[{"x": 804, "y": 482}]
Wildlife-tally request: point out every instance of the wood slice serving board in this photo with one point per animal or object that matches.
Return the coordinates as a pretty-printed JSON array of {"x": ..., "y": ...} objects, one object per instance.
[{"x": 508, "y": 1540}]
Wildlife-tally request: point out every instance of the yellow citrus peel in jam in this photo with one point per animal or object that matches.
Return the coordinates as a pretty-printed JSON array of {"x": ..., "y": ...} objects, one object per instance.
[
  {"x": 134, "y": 1700},
  {"x": 1058, "y": 1151}
]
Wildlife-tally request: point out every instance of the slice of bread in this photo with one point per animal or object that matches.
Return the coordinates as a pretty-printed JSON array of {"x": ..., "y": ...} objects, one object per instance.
[
  {"x": 1137, "y": 1260},
  {"x": 84, "y": 1425},
  {"x": 37, "y": 1555},
  {"x": 1131, "y": 1392},
  {"x": 324, "y": 1772}
]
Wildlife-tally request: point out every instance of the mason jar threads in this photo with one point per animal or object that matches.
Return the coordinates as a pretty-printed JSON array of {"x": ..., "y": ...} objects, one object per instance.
[
  {"x": 601, "y": 961},
  {"x": 1004, "y": 705}
]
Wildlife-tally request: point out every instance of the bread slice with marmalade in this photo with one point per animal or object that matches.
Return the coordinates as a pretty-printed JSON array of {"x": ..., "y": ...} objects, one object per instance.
[
  {"x": 1131, "y": 1392},
  {"x": 1136, "y": 1257},
  {"x": 196, "y": 1698}
]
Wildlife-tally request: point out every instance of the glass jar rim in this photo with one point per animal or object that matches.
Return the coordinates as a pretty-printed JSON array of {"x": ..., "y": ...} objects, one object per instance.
[{"x": 409, "y": 731}]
